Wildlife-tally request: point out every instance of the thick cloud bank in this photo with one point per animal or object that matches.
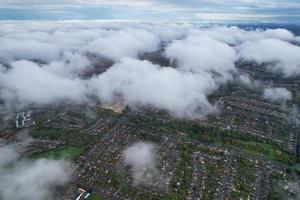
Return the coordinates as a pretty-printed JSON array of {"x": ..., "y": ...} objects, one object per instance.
[
  {"x": 29, "y": 180},
  {"x": 281, "y": 56},
  {"x": 141, "y": 157},
  {"x": 26, "y": 82},
  {"x": 142, "y": 83},
  {"x": 202, "y": 54},
  {"x": 78, "y": 61}
]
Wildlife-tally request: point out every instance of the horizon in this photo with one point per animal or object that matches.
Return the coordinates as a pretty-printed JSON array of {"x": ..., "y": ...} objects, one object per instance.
[{"x": 254, "y": 11}]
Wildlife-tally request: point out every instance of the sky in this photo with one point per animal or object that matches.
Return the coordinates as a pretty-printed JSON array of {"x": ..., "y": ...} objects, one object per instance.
[{"x": 284, "y": 11}]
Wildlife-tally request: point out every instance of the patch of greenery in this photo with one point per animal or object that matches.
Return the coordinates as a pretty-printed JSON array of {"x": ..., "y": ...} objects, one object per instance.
[
  {"x": 101, "y": 112},
  {"x": 276, "y": 191},
  {"x": 65, "y": 152},
  {"x": 69, "y": 137},
  {"x": 295, "y": 169},
  {"x": 296, "y": 100},
  {"x": 74, "y": 144},
  {"x": 271, "y": 152},
  {"x": 40, "y": 116},
  {"x": 244, "y": 142},
  {"x": 182, "y": 175},
  {"x": 95, "y": 196},
  {"x": 212, "y": 169},
  {"x": 243, "y": 179}
]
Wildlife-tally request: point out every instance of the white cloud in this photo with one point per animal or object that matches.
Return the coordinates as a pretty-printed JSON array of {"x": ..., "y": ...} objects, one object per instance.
[
  {"x": 79, "y": 2},
  {"x": 71, "y": 64},
  {"x": 126, "y": 43},
  {"x": 26, "y": 82},
  {"x": 279, "y": 95},
  {"x": 27, "y": 49},
  {"x": 279, "y": 33},
  {"x": 140, "y": 83},
  {"x": 245, "y": 80},
  {"x": 29, "y": 180},
  {"x": 142, "y": 159},
  {"x": 281, "y": 56},
  {"x": 204, "y": 56},
  {"x": 234, "y": 35}
]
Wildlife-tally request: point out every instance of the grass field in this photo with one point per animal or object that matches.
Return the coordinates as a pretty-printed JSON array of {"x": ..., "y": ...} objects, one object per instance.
[
  {"x": 244, "y": 142},
  {"x": 106, "y": 113},
  {"x": 95, "y": 196},
  {"x": 66, "y": 152},
  {"x": 74, "y": 143}
]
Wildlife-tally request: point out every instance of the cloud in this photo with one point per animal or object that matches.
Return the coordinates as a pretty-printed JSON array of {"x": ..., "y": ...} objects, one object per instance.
[
  {"x": 279, "y": 95},
  {"x": 11, "y": 50},
  {"x": 10, "y": 153},
  {"x": 70, "y": 65},
  {"x": 281, "y": 34},
  {"x": 26, "y": 82},
  {"x": 141, "y": 83},
  {"x": 245, "y": 80},
  {"x": 294, "y": 116},
  {"x": 280, "y": 56},
  {"x": 126, "y": 43},
  {"x": 135, "y": 3},
  {"x": 202, "y": 54},
  {"x": 142, "y": 159},
  {"x": 29, "y": 180},
  {"x": 74, "y": 61},
  {"x": 234, "y": 36}
]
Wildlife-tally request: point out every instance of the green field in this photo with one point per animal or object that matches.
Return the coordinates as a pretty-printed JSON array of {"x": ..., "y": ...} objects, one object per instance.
[
  {"x": 101, "y": 112},
  {"x": 276, "y": 191},
  {"x": 183, "y": 175},
  {"x": 66, "y": 152},
  {"x": 244, "y": 178},
  {"x": 243, "y": 142},
  {"x": 74, "y": 143},
  {"x": 95, "y": 196},
  {"x": 213, "y": 170}
]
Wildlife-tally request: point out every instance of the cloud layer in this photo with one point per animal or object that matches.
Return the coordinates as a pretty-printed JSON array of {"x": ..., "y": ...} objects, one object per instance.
[
  {"x": 79, "y": 61},
  {"x": 282, "y": 56}
]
